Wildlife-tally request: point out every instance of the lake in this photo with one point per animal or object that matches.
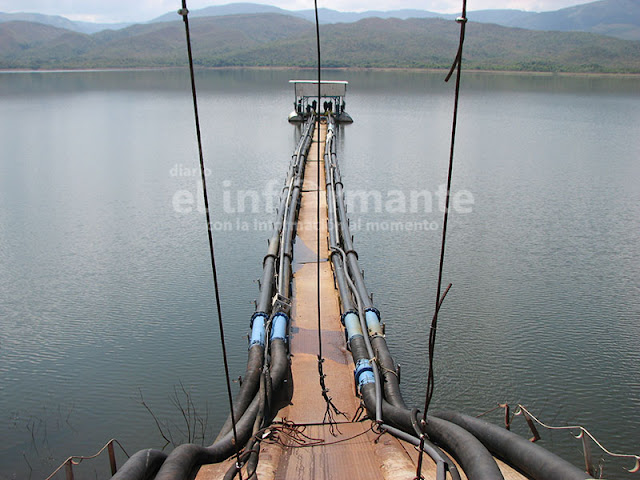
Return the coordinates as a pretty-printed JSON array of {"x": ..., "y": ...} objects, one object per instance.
[{"x": 106, "y": 298}]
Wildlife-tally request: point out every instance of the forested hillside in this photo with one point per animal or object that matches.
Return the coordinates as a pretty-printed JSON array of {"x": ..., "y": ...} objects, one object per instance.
[{"x": 282, "y": 40}]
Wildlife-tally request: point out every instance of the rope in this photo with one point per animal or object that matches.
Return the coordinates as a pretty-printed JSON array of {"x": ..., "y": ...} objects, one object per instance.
[
  {"x": 457, "y": 66},
  {"x": 184, "y": 12},
  {"x": 289, "y": 435},
  {"x": 295, "y": 433}
]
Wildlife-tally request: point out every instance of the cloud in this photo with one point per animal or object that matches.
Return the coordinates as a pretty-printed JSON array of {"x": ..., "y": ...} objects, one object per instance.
[
  {"x": 530, "y": 5},
  {"x": 100, "y": 10}
]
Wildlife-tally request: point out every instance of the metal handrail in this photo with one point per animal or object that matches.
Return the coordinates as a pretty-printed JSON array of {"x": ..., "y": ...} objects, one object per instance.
[
  {"x": 76, "y": 460},
  {"x": 584, "y": 433}
]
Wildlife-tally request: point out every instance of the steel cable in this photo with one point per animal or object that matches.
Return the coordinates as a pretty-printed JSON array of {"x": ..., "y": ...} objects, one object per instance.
[
  {"x": 331, "y": 409},
  {"x": 185, "y": 17},
  {"x": 457, "y": 66}
]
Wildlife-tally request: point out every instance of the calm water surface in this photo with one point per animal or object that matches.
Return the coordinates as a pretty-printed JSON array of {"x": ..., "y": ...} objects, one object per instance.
[{"x": 105, "y": 290}]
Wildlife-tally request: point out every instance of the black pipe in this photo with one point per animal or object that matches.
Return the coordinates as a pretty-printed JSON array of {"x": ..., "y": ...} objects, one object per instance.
[
  {"x": 475, "y": 459},
  {"x": 250, "y": 385},
  {"x": 256, "y": 352},
  {"x": 250, "y": 455},
  {"x": 267, "y": 282},
  {"x": 531, "y": 459},
  {"x": 142, "y": 465},
  {"x": 292, "y": 211},
  {"x": 346, "y": 300},
  {"x": 251, "y": 377},
  {"x": 280, "y": 370},
  {"x": 352, "y": 256},
  {"x": 289, "y": 233},
  {"x": 391, "y": 385},
  {"x": 442, "y": 459},
  {"x": 185, "y": 458},
  {"x": 252, "y": 462},
  {"x": 268, "y": 264}
]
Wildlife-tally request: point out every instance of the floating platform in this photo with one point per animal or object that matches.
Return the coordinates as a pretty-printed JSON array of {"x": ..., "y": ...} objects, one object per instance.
[{"x": 332, "y": 95}]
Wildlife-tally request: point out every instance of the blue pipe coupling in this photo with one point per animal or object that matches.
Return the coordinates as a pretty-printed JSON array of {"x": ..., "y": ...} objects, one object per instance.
[
  {"x": 279, "y": 326},
  {"x": 258, "y": 322},
  {"x": 372, "y": 316},
  {"x": 364, "y": 372},
  {"x": 351, "y": 323}
]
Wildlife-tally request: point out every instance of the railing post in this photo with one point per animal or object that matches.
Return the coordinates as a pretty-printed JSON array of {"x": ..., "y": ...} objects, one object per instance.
[
  {"x": 507, "y": 415},
  {"x": 532, "y": 427},
  {"x": 112, "y": 457},
  {"x": 68, "y": 467},
  {"x": 586, "y": 449}
]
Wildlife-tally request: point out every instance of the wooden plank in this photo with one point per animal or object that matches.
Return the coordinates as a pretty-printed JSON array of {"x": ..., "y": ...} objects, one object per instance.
[
  {"x": 350, "y": 453},
  {"x": 307, "y": 403}
]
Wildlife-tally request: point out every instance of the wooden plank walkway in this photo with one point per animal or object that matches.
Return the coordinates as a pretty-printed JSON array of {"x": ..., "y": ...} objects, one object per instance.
[{"x": 353, "y": 451}]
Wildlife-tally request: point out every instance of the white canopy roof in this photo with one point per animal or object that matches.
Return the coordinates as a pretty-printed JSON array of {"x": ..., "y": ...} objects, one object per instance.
[{"x": 328, "y": 88}]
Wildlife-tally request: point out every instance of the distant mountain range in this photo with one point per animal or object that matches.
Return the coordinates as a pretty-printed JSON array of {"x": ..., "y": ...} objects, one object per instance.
[
  {"x": 271, "y": 39},
  {"x": 617, "y": 18},
  {"x": 61, "y": 22}
]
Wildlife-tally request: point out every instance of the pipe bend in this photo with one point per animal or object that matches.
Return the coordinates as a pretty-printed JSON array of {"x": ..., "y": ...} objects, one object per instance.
[
  {"x": 288, "y": 254},
  {"x": 279, "y": 361},
  {"x": 142, "y": 465},
  {"x": 476, "y": 461},
  {"x": 249, "y": 387},
  {"x": 351, "y": 251},
  {"x": 268, "y": 256},
  {"x": 182, "y": 461},
  {"x": 391, "y": 385}
]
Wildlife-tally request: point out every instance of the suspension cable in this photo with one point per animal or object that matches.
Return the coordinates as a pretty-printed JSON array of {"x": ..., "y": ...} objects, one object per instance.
[
  {"x": 331, "y": 410},
  {"x": 185, "y": 12},
  {"x": 315, "y": 3},
  {"x": 457, "y": 66}
]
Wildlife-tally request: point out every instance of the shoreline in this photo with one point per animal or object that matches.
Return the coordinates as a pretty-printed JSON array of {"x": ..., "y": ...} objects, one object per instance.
[{"x": 344, "y": 69}]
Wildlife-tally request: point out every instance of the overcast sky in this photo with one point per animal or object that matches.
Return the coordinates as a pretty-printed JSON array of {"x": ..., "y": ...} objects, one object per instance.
[{"x": 143, "y": 10}]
